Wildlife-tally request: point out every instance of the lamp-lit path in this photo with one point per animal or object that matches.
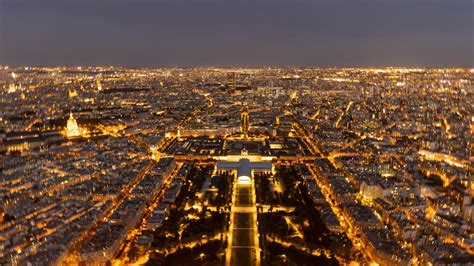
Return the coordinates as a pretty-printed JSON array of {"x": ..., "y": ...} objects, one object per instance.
[{"x": 243, "y": 247}]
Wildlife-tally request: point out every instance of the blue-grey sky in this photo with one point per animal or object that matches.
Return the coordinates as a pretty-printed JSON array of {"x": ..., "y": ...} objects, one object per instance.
[{"x": 237, "y": 33}]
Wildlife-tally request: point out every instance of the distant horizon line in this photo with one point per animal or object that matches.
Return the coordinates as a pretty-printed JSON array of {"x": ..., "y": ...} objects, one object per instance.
[{"x": 6, "y": 66}]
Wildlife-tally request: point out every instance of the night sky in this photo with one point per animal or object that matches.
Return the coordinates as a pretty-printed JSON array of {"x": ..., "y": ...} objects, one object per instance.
[{"x": 433, "y": 33}]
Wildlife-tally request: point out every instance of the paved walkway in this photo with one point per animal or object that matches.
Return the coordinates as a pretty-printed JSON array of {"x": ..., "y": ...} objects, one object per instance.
[{"x": 243, "y": 248}]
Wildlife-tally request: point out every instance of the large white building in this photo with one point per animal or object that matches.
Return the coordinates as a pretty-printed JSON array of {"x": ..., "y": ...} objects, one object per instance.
[{"x": 244, "y": 168}]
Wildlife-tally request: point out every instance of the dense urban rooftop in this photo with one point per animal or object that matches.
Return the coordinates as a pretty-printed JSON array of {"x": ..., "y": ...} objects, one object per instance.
[{"x": 348, "y": 165}]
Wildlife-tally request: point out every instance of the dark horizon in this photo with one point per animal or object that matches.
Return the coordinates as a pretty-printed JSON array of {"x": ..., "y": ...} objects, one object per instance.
[
  {"x": 235, "y": 66},
  {"x": 208, "y": 33}
]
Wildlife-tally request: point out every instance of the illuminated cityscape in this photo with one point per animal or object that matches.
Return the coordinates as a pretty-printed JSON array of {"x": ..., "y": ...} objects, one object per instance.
[
  {"x": 236, "y": 166},
  {"x": 236, "y": 133}
]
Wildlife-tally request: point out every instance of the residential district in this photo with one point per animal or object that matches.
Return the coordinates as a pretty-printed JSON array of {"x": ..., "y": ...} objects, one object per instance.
[{"x": 236, "y": 166}]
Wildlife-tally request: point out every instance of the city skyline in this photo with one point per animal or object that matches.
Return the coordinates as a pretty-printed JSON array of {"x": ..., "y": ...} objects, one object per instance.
[
  {"x": 236, "y": 166},
  {"x": 236, "y": 133}
]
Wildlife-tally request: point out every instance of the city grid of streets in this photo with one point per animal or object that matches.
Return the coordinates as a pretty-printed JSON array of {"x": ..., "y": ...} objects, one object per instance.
[{"x": 236, "y": 166}]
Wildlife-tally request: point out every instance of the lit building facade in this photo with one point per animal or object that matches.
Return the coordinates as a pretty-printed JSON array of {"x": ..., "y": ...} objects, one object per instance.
[{"x": 72, "y": 129}]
